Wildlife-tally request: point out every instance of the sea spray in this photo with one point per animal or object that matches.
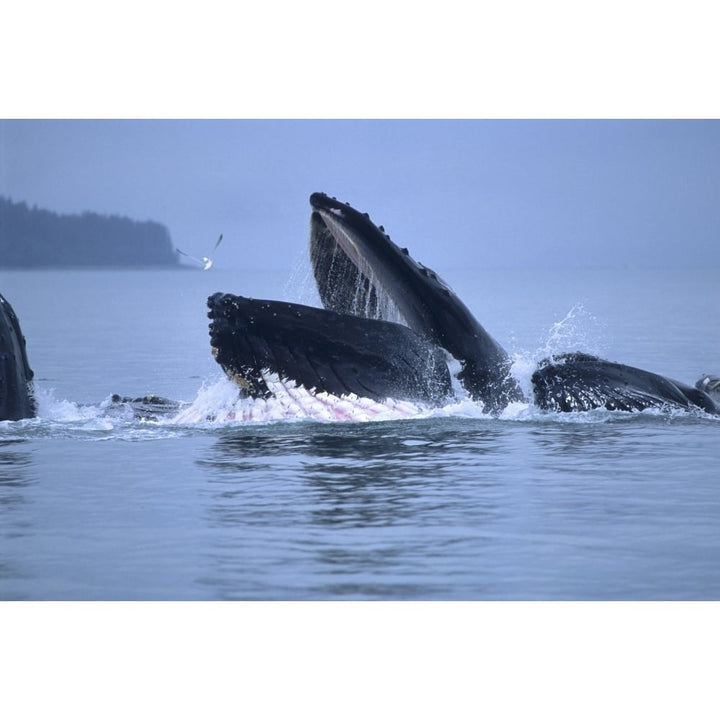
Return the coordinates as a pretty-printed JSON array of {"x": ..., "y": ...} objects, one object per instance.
[{"x": 578, "y": 331}]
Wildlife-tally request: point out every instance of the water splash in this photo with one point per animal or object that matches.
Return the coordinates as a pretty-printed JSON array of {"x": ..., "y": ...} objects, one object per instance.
[
  {"x": 218, "y": 401},
  {"x": 218, "y": 405},
  {"x": 300, "y": 286},
  {"x": 57, "y": 410},
  {"x": 578, "y": 331}
]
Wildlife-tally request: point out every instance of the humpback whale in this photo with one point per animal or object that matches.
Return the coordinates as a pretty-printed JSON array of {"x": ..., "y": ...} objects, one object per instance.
[
  {"x": 17, "y": 400},
  {"x": 389, "y": 326}
]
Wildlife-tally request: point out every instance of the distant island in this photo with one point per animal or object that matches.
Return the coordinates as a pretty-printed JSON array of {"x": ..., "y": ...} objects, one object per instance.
[{"x": 35, "y": 238}]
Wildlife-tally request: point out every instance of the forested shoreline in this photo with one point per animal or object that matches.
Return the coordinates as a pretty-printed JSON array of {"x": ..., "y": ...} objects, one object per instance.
[{"x": 33, "y": 237}]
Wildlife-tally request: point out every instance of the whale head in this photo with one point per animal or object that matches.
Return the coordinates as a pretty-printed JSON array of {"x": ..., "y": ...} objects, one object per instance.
[
  {"x": 359, "y": 270},
  {"x": 710, "y": 384}
]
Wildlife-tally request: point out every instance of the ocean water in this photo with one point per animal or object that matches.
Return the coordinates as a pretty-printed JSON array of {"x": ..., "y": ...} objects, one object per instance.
[{"x": 446, "y": 504}]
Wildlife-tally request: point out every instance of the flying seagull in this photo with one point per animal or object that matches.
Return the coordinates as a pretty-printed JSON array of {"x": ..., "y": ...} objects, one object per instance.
[{"x": 206, "y": 262}]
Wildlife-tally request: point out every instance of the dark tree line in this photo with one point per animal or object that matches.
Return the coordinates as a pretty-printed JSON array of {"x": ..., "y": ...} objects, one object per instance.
[{"x": 31, "y": 237}]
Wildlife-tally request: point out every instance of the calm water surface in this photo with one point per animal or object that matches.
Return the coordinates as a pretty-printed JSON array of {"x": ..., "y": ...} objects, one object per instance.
[{"x": 96, "y": 505}]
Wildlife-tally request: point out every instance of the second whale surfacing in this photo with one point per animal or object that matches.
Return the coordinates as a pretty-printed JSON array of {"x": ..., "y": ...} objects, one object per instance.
[
  {"x": 17, "y": 396},
  {"x": 388, "y": 327}
]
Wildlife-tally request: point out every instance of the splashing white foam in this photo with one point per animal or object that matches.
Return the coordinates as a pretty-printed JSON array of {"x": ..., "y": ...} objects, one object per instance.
[
  {"x": 578, "y": 331},
  {"x": 218, "y": 401},
  {"x": 51, "y": 408},
  {"x": 221, "y": 403},
  {"x": 57, "y": 413}
]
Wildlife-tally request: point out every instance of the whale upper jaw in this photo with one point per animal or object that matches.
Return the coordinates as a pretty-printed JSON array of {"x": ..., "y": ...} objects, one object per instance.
[{"x": 349, "y": 252}]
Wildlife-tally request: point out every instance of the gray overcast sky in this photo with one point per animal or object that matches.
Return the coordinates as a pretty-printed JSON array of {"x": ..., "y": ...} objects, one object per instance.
[{"x": 457, "y": 193}]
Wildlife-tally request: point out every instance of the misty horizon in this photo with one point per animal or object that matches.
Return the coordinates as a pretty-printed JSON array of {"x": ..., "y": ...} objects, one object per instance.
[{"x": 475, "y": 194}]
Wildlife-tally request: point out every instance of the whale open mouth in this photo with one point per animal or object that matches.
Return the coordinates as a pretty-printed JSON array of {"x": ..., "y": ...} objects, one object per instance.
[
  {"x": 387, "y": 327},
  {"x": 386, "y": 330}
]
